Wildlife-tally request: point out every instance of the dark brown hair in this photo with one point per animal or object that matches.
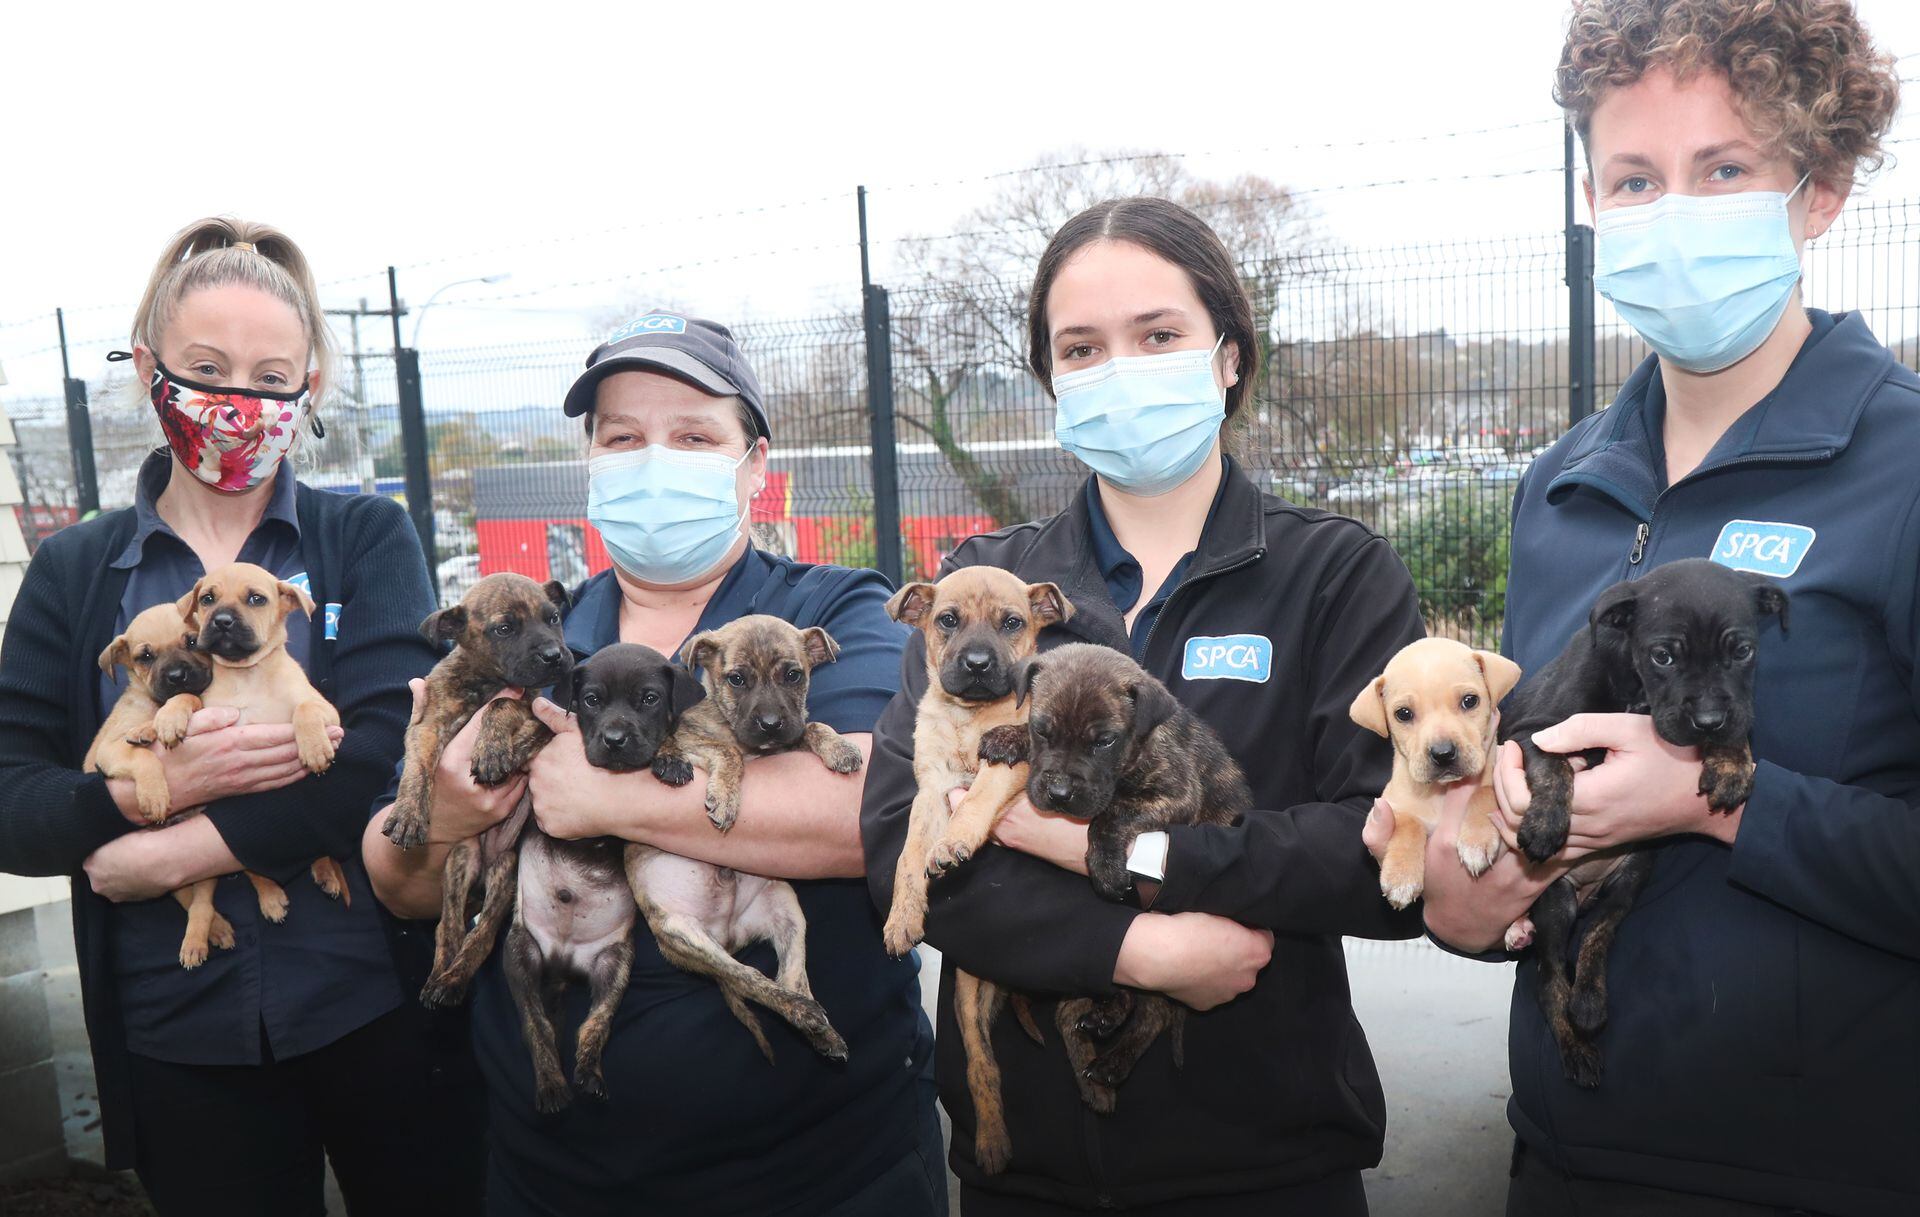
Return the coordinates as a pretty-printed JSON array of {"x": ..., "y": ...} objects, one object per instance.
[
  {"x": 1805, "y": 74},
  {"x": 1165, "y": 228}
]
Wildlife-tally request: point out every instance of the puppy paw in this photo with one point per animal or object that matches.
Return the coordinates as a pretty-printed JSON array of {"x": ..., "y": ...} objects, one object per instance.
[
  {"x": 673, "y": 770},
  {"x": 992, "y": 1150},
  {"x": 723, "y": 807},
  {"x": 1096, "y": 1095},
  {"x": 1106, "y": 1016},
  {"x": 588, "y": 1080},
  {"x": 407, "y": 829},
  {"x": 492, "y": 764},
  {"x": 154, "y": 800},
  {"x": 1587, "y": 1010},
  {"x": 170, "y": 725},
  {"x": 1539, "y": 840},
  {"x": 1110, "y": 879},
  {"x": 273, "y": 905},
  {"x": 1581, "y": 1061},
  {"x": 1400, "y": 895},
  {"x": 1478, "y": 856},
  {"x": 442, "y": 993},
  {"x": 947, "y": 854},
  {"x": 1005, "y": 745},
  {"x": 1726, "y": 785},
  {"x": 551, "y": 1095},
  {"x": 902, "y": 934},
  {"x": 841, "y": 756},
  {"x": 220, "y": 933},
  {"x": 1519, "y": 935},
  {"x": 193, "y": 953}
]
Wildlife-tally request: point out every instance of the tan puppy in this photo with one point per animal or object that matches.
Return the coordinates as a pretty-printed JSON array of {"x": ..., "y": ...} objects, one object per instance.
[
  {"x": 979, "y": 623},
  {"x": 165, "y": 677},
  {"x": 1435, "y": 703},
  {"x": 239, "y": 617}
]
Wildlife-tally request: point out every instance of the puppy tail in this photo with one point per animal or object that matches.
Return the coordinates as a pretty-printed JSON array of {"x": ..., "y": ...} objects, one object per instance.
[
  {"x": 1023, "y": 1011},
  {"x": 748, "y": 1019}
]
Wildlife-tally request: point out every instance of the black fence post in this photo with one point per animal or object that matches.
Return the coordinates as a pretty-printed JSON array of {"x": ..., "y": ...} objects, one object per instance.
[
  {"x": 413, "y": 436},
  {"x": 1580, "y": 335},
  {"x": 86, "y": 481},
  {"x": 886, "y": 474}
]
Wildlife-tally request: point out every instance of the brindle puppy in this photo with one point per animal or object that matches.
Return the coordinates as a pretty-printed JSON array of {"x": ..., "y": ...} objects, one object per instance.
[
  {"x": 757, "y": 675},
  {"x": 1678, "y": 644},
  {"x": 1110, "y": 745},
  {"x": 756, "y": 671},
  {"x": 507, "y": 635},
  {"x": 165, "y": 677},
  {"x": 979, "y": 622},
  {"x": 574, "y": 915}
]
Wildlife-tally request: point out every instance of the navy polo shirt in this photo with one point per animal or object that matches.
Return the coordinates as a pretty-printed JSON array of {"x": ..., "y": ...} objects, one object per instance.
[
  {"x": 1121, "y": 571},
  {"x": 283, "y": 989},
  {"x": 695, "y": 1119}
]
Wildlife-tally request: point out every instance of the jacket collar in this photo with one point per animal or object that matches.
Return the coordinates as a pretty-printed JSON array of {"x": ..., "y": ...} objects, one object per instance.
[
  {"x": 1063, "y": 553},
  {"x": 594, "y": 620},
  {"x": 1809, "y": 417},
  {"x": 156, "y": 471}
]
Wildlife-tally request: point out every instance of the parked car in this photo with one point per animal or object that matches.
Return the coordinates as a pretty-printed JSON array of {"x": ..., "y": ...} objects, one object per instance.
[{"x": 458, "y": 574}]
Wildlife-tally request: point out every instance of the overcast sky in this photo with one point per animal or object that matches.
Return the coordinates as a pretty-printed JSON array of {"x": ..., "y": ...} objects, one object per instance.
[{"x": 568, "y": 144}]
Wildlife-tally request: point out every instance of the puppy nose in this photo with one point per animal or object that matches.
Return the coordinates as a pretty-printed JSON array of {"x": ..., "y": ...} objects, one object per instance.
[
  {"x": 613, "y": 737},
  {"x": 1443, "y": 752},
  {"x": 977, "y": 660},
  {"x": 550, "y": 657},
  {"x": 1059, "y": 789},
  {"x": 770, "y": 722},
  {"x": 222, "y": 619},
  {"x": 1708, "y": 720}
]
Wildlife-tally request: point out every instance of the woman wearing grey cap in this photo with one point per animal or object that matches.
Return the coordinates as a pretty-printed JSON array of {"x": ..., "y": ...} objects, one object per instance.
[{"x": 696, "y": 1120}]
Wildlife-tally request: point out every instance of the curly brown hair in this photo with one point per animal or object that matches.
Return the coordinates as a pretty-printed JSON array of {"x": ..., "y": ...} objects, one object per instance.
[{"x": 1804, "y": 73}]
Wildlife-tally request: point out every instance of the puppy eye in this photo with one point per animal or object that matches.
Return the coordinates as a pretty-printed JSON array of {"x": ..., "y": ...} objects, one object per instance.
[
  {"x": 553, "y": 617},
  {"x": 1013, "y": 624},
  {"x": 256, "y": 599},
  {"x": 792, "y": 676},
  {"x": 207, "y": 597},
  {"x": 1743, "y": 651},
  {"x": 1469, "y": 701},
  {"x": 649, "y": 698},
  {"x": 590, "y": 700},
  {"x": 737, "y": 679},
  {"x": 143, "y": 657},
  {"x": 504, "y": 629},
  {"x": 1403, "y": 715},
  {"x": 1105, "y": 739},
  {"x": 948, "y": 620},
  {"x": 1661, "y": 656}
]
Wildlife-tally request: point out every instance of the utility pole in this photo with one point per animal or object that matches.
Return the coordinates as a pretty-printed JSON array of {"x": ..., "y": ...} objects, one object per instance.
[
  {"x": 363, "y": 424},
  {"x": 1580, "y": 335}
]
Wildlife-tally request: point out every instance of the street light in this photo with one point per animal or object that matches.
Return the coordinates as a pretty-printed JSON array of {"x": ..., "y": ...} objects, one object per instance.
[{"x": 420, "y": 317}]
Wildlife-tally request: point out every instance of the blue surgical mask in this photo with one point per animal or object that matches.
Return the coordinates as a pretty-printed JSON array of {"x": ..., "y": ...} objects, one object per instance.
[
  {"x": 667, "y": 516},
  {"x": 1703, "y": 278},
  {"x": 1144, "y": 423}
]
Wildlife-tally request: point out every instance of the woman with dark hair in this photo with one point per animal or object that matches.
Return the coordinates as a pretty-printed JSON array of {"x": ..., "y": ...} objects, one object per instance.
[{"x": 1140, "y": 328}]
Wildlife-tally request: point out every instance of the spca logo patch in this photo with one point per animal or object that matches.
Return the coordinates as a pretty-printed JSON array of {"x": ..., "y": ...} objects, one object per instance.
[
  {"x": 1246, "y": 657},
  {"x": 1763, "y": 548},
  {"x": 652, "y": 323}
]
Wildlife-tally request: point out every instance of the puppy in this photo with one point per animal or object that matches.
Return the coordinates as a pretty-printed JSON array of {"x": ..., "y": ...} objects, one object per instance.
[
  {"x": 238, "y": 615},
  {"x": 980, "y": 623},
  {"x": 574, "y": 915},
  {"x": 756, "y": 671},
  {"x": 1435, "y": 704},
  {"x": 1108, "y": 744},
  {"x": 1678, "y": 644},
  {"x": 165, "y": 677},
  {"x": 506, "y": 634}
]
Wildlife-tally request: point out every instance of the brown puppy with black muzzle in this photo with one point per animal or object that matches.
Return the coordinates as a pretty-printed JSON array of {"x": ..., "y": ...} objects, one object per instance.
[
  {"x": 979, "y": 622},
  {"x": 756, "y": 671},
  {"x": 238, "y": 615},
  {"x": 165, "y": 677},
  {"x": 507, "y": 634},
  {"x": 1108, "y": 744},
  {"x": 1435, "y": 704}
]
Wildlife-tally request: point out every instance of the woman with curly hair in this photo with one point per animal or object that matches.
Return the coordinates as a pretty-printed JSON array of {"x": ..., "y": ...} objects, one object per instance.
[{"x": 1759, "y": 1051}]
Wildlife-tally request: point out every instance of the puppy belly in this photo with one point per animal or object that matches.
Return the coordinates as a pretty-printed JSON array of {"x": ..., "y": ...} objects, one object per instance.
[
  {"x": 706, "y": 893},
  {"x": 573, "y": 911}
]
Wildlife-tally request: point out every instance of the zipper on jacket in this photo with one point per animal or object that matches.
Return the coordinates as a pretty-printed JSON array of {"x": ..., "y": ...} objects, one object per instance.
[
  {"x": 1640, "y": 536},
  {"x": 1146, "y": 648}
]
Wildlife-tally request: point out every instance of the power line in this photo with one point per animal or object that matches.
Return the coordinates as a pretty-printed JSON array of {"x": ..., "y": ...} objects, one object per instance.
[{"x": 655, "y": 270}]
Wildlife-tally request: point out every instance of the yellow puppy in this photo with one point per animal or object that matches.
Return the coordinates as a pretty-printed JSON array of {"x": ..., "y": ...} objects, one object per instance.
[{"x": 1435, "y": 703}]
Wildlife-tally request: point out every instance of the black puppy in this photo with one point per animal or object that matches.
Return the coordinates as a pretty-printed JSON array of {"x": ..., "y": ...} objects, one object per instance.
[
  {"x": 574, "y": 915},
  {"x": 1679, "y": 645}
]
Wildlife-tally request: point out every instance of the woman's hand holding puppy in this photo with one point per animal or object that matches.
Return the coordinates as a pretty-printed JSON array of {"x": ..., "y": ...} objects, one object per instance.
[
  {"x": 463, "y": 808},
  {"x": 218, "y": 760},
  {"x": 1197, "y": 959},
  {"x": 1056, "y": 839}
]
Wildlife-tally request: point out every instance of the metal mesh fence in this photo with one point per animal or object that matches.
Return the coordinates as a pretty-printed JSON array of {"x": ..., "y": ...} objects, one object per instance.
[{"x": 1405, "y": 386}]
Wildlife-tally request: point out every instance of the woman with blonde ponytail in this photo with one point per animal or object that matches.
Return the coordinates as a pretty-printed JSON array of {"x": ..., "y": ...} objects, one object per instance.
[{"x": 229, "y": 1085}]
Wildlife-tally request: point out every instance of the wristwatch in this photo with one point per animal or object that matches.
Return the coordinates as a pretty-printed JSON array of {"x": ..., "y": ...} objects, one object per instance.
[{"x": 1147, "y": 863}]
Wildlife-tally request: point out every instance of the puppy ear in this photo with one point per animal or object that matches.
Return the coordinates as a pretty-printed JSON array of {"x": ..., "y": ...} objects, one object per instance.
[
  {"x": 1049, "y": 606},
  {"x": 574, "y": 682},
  {"x": 293, "y": 596},
  {"x": 116, "y": 652},
  {"x": 1769, "y": 600},
  {"x": 189, "y": 605},
  {"x": 1613, "y": 611},
  {"x": 1369, "y": 709},
  {"x": 701, "y": 650},
  {"x": 1502, "y": 674},
  {"x": 910, "y": 604},
  {"x": 557, "y": 592},
  {"x": 1152, "y": 705},
  {"x": 684, "y": 693},
  {"x": 445, "y": 625},
  {"x": 821, "y": 648},
  {"x": 1023, "y": 675}
]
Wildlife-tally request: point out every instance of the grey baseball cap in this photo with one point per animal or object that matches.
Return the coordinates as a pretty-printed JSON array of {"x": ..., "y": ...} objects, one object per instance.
[{"x": 702, "y": 353}]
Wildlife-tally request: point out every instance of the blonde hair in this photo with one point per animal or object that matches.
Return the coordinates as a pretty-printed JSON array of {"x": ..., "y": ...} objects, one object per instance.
[{"x": 220, "y": 250}]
